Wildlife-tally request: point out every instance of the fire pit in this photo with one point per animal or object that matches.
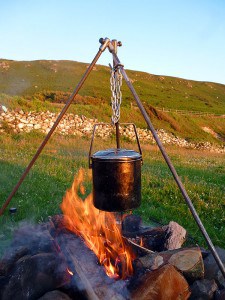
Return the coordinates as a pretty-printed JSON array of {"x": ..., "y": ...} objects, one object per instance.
[{"x": 86, "y": 254}]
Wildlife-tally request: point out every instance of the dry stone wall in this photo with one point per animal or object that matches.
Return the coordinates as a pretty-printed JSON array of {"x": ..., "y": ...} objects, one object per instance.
[{"x": 71, "y": 124}]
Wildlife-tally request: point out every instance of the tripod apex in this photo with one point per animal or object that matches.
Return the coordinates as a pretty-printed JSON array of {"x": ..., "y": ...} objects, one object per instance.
[{"x": 102, "y": 40}]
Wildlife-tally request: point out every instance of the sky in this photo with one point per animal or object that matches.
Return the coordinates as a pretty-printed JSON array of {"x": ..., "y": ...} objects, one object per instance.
[{"x": 176, "y": 38}]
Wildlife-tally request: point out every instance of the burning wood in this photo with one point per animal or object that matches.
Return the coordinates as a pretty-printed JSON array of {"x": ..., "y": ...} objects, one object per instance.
[
  {"x": 89, "y": 277},
  {"x": 46, "y": 256},
  {"x": 99, "y": 229}
]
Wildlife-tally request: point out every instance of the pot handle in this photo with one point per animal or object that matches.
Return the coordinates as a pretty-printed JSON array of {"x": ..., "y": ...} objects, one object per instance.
[
  {"x": 93, "y": 135},
  {"x": 137, "y": 139},
  {"x": 92, "y": 141}
]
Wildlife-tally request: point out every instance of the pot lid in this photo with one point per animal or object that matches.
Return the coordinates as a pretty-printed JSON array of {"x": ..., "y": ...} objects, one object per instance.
[{"x": 116, "y": 154}]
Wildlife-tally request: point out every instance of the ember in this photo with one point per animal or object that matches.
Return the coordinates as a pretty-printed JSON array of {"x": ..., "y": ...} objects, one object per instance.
[
  {"x": 99, "y": 229},
  {"x": 70, "y": 272}
]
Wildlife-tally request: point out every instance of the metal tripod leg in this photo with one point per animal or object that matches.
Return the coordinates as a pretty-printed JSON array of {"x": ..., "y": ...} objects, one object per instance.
[
  {"x": 168, "y": 161},
  {"x": 69, "y": 101}
]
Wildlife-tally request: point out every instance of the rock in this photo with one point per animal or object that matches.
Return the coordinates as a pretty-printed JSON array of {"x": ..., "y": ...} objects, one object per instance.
[
  {"x": 175, "y": 236},
  {"x": 204, "y": 252},
  {"x": 44, "y": 121},
  {"x": 3, "y": 108},
  {"x": 3, "y": 283},
  {"x": 203, "y": 289},
  {"x": 212, "y": 270},
  {"x": 33, "y": 238},
  {"x": 35, "y": 275},
  {"x": 37, "y": 126},
  {"x": 20, "y": 125},
  {"x": 10, "y": 257},
  {"x": 219, "y": 295}
]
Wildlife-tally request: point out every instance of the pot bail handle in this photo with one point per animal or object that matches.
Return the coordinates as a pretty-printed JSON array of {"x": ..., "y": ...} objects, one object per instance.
[
  {"x": 92, "y": 141},
  {"x": 137, "y": 139},
  {"x": 103, "y": 124}
]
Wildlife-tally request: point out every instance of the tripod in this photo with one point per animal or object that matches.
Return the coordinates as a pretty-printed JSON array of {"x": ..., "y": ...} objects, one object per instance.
[{"x": 111, "y": 45}]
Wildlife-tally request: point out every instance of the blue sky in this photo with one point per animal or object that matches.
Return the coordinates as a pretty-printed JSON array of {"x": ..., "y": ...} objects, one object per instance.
[{"x": 176, "y": 38}]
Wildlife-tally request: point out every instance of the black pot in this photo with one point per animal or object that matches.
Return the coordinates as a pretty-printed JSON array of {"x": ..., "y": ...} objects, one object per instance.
[{"x": 116, "y": 179}]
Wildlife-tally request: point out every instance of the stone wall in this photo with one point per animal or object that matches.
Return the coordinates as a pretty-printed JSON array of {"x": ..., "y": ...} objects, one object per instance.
[{"x": 20, "y": 121}]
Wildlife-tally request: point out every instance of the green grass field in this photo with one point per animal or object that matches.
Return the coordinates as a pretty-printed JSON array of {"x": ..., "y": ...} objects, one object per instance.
[{"x": 41, "y": 193}]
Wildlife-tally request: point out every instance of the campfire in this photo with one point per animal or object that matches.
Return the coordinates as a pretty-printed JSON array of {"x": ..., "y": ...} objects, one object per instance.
[
  {"x": 99, "y": 229},
  {"x": 86, "y": 254}
]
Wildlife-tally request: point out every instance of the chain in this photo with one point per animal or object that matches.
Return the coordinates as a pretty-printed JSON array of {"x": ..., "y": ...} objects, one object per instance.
[{"x": 116, "y": 98}]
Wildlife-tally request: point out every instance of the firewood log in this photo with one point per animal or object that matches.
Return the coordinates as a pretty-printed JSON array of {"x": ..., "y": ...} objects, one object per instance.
[
  {"x": 165, "y": 283},
  {"x": 187, "y": 260}
]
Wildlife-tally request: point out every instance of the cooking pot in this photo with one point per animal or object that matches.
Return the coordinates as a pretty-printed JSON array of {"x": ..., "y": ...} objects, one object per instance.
[{"x": 116, "y": 179}]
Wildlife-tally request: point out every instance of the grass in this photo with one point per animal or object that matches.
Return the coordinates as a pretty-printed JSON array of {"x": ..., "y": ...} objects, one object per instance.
[
  {"x": 163, "y": 201},
  {"x": 41, "y": 193}
]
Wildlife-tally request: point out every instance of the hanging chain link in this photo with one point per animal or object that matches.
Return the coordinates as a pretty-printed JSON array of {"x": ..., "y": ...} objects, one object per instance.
[{"x": 116, "y": 98}]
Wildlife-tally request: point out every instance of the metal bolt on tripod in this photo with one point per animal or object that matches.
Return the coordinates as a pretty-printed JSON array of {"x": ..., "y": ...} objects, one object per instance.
[{"x": 112, "y": 47}]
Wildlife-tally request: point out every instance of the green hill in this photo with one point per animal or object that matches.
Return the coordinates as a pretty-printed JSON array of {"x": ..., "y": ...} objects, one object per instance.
[
  {"x": 47, "y": 82},
  {"x": 29, "y": 77}
]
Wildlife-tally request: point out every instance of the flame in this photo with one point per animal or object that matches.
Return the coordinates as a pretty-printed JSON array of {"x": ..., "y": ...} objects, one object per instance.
[
  {"x": 70, "y": 272},
  {"x": 99, "y": 230}
]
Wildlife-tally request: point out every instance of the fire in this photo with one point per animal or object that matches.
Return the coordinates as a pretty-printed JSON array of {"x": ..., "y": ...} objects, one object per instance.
[{"x": 99, "y": 230}]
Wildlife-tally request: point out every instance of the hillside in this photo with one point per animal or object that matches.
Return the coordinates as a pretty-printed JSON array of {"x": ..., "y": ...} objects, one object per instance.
[
  {"x": 49, "y": 83},
  {"x": 29, "y": 77}
]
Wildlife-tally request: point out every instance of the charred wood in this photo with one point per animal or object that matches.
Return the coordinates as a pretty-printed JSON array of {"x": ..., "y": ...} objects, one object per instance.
[
  {"x": 131, "y": 223},
  {"x": 169, "y": 237},
  {"x": 95, "y": 284}
]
